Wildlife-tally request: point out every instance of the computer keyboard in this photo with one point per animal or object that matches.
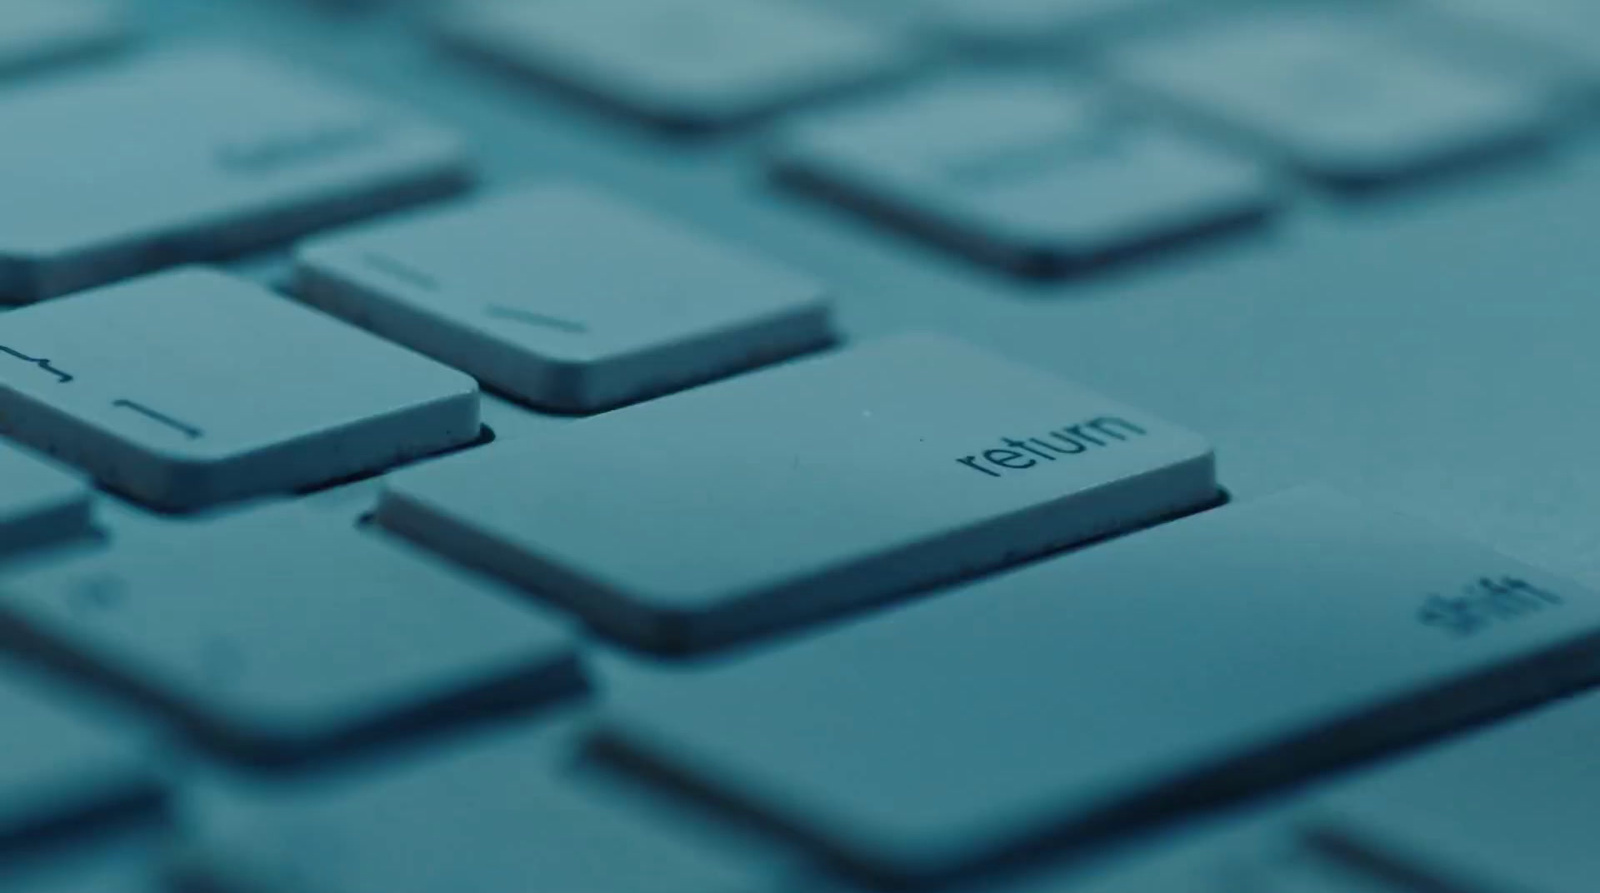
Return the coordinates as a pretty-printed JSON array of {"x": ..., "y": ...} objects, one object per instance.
[{"x": 809, "y": 446}]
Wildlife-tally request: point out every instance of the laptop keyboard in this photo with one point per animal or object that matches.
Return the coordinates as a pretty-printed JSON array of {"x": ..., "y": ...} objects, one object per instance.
[{"x": 642, "y": 446}]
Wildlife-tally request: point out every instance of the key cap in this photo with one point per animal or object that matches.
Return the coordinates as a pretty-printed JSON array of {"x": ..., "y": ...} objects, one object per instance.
[
  {"x": 677, "y": 63},
  {"x": 65, "y": 762},
  {"x": 34, "y": 33},
  {"x": 1570, "y": 27},
  {"x": 1028, "y": 21},
  {"x": 1180, "y": 666},
  {"x": 284, "y": 633},
  {"x": 565, "y": 297},
  {"x": 767, "y": 500},
  {"x": 190, "y": 388},
  {"x": 191, "y": 155},
  {"x": 39, "y": 502},
  {"x": 467, "y": 821},
  {"x": 1338, "y": 95},
  {"x": 1021, "y": 172},
  {"x": 1508, "y": 809}
]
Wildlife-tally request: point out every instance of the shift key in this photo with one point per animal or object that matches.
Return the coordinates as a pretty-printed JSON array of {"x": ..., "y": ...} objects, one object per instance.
[
  {"x": 766, "y": 501},
  {"x": 1120, "y": 686}
]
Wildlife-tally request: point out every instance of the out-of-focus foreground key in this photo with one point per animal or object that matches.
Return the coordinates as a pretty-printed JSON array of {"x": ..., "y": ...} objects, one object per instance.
[
  {"x": 190, "y": 155},
  {"x": 282, "y": 633},
  {"x": 192, "y": 387},
  {"x": 485, "y": 816},
  {"x": 1223, "y": 653},
  {"x": 37, "y": 32},
  {"x": 785, "y": 495},
  {"x": 63, "y": 762},
  {"x": 1509, "y": 810},
  {"x": 39, "y": 503}
]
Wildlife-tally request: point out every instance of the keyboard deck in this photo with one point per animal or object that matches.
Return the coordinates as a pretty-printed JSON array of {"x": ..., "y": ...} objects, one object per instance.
[{"x": 1074, "y": 446}]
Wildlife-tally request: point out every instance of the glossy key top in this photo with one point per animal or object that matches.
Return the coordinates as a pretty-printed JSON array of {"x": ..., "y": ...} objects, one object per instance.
[
  {"x": 782, "y": 496},
  {"x": 566, "y": 297},
  {"x": 1338, "y": 93},
  {"x": 282, "y": 633},
  {"x": 1024, "y": 172},
  {"x": 191, "y": 387},
  {"x": 39, "y": 502},
  {"x": 1240, "y": 648},
  {"x": 194, "y": 154}
]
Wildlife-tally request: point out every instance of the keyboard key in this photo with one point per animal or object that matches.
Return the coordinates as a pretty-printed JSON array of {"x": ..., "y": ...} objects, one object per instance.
[
  {"x": 565, "y": 297},
  {"x": 680, "y": 63},
  {"x": 1238, "y": 649},
  {"x": 1021, "y": 172},
  {"x": 39, "y": 503},
  {"x": 1028, "y": 21},
  {"x": 760, "y": 502},
  {"x": 190, "y": 155},
  {"x": 471, "y": 820},
  {"x": 284, "y": 633},
  {"x": 189, "y": 388},
  {"x": 39, "y": 32},
  {"x": 1571, "y": 27},
  {"x": 1510, "y": 808},
  {"x": 66, "y": 763},
  {"x": 1338, "y": 95}
]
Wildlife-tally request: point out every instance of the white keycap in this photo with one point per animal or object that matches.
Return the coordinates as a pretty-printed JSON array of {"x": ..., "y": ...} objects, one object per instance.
[
  {"x": 38, "y": 32},
  {"x": 189, "y": 155},
  {"x": 1215, "y": 656},
  {"x": 687, "y": 63},
  {"x": 565, "y": 297},
  {"x": 781, "y": 496},
  {"x": 191, "y": 387},
  {"x": 1339, "y": 94},
  {"x": 281, "y": 633},
  {"x": 39, "y": 503},
  {"x": 1021, "y": 171},
  {"x": 1511, "y": 809}
]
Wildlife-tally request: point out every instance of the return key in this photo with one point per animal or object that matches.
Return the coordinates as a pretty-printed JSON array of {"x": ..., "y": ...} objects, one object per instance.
[{"x": 766, "y": 501}]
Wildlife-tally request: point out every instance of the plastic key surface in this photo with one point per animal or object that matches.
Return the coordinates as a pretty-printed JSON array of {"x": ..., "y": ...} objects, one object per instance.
[
  {"x": 39, "y": 502},
  {"x": 190, "y": 155},
  {"x": 282, "y": 633},
  {"x": 764, "y": 501},
  {"x": 1215, "y": 656},
  {"x": 65, "y": 763},
  {"x": 1506, "y": 810},
  {"x": 566, "y": 297},
  {"x": 681, "y": 63},
  {"x": 192, "y": 387},
  {"x": 474, "y": 818},
  {"x": 34, "y": 33},
  {"x": 1339, "y": 94},
  {"x": 1021, "y": 171}
]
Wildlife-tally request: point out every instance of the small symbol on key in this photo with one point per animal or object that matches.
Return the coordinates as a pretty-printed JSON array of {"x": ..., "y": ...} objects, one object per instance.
[{"x": 42, "y": 363}]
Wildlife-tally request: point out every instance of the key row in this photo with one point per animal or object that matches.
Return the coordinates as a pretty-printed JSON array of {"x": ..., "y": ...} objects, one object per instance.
[
  {"x": 1301, "y": 632},
  {"x": 1037, "y": 172}
]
